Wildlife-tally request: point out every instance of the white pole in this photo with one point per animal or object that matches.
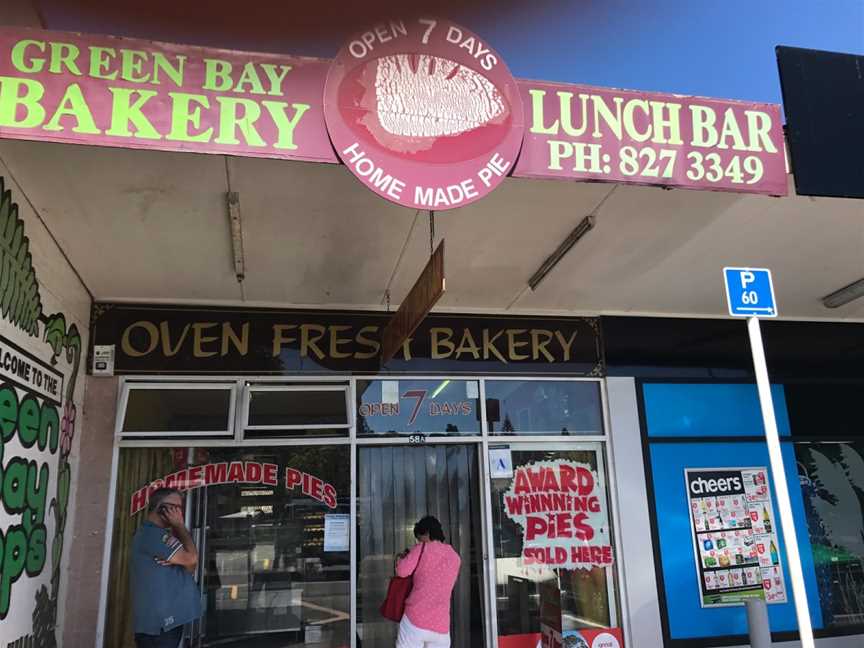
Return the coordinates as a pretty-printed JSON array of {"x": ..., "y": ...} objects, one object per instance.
[{"x": 781, "y": 487}]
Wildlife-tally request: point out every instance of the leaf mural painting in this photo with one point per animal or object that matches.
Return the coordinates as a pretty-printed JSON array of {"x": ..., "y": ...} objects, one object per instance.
[
  {"x": 19, "y": 290},
  {"x": 55, "y": 337},
  {"x": 55, "y": 334}
]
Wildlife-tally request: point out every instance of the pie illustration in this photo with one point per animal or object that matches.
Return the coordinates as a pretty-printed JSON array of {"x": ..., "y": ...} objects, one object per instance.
[
  {"x": 423, "y": 97},
  {"x": 423, "y": 104}
]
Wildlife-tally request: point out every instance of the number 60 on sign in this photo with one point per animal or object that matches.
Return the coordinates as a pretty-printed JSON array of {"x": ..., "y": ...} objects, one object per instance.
[{"x": 750, "y": 292}]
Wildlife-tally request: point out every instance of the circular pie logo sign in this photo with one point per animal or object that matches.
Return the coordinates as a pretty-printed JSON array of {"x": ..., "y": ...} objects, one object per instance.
[{"x": 424, "y": 113}]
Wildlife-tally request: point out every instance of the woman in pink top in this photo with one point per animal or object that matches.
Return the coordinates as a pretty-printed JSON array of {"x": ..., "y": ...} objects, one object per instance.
[{"x": 435, "y": 565}]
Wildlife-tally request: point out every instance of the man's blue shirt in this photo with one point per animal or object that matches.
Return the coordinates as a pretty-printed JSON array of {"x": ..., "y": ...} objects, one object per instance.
[{"x": 164, "y": 597}]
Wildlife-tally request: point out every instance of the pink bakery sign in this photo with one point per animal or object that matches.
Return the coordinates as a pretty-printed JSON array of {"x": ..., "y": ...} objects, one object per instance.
[{"x": 422, "y": 111}]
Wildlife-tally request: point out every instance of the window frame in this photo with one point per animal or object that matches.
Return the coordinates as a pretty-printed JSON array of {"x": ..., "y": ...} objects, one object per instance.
[
  {"x": 250, "y": 387},
  {"x": 439, "y": 436},
  {"x": 505, "y": 437},
  {"x": 163, "y": 435},
  {"x": 483, "y": 440}
]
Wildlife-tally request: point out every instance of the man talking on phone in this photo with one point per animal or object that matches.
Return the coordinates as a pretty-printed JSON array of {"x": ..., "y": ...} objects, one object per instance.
[{"x": 164, "y": 557}]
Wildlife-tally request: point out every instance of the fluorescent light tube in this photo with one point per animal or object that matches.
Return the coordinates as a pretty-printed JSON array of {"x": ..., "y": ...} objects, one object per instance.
[
  {"x": 440, "y": 388},
  {"x": 845, "y": 295},
  {"x": 584, "y": 226},
  {"x": 236, "y": 223}
]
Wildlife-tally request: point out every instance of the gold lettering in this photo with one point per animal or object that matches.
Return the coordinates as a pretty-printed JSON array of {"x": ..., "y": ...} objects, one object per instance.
[
  {"x": 731, "y": 131},
  {"x": 199, "y": 339},
  {"x": 538, "y": 346},
  {"x": 166, "y": 339},
  {"x": 240, "y": 343},
  {"x": 441, "y": 337},
  {"x": 566, "y": 106},
  {"x": 566, "y": 343},
  {"x": 664, "y": 125},
  {"x": 307, "y": 342},
  {"x": 406, "y": 348},
  {"x": 279, "y": 337},
  {"x": 336, "y": 341},
  {"x": 152, "y": 333},
  {"x": 468, "y": 345},
  {"x": 369, "y": 343},
  {"x": 489, "y": 348},
  {"x": 602, "y": 113},
  {"x": 704, "y": 131},
  {"x": 759, "y": 129},
  {"x": 630, "y": 120},
  {"x": 537, "y": 125},
  {"x": 512, "y": 344}
]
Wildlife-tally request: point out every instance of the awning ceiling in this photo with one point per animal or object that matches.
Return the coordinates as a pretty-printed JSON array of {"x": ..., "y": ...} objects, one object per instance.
[{"x": 153, "y": 226}]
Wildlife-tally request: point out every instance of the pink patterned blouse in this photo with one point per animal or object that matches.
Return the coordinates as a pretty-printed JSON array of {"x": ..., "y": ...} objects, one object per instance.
[{"x": 428, "y": 605}]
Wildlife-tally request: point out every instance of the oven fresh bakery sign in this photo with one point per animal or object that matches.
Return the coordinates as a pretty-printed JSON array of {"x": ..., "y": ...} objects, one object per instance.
[
  {"x": 244, "y": 473},
  {"x": 231, "y": 341},
  {"x": 422, "y": 111}
]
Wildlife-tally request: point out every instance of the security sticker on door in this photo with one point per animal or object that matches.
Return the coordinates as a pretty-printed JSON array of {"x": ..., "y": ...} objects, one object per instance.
[
  {"x": 750, "y": 292},
  {"x": 501, "y": 463}
]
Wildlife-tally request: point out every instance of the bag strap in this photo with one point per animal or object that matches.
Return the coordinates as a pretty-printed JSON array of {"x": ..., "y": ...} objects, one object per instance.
[{"x": 422, "y": 549}]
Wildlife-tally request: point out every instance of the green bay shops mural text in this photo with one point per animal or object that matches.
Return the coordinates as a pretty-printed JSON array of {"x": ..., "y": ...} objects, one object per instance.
[{"x": 39, "y": 359}]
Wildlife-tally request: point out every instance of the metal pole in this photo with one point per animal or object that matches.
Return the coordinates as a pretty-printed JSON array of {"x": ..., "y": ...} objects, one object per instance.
[
  {"x": 757, "y": 623},
  {"x": 781, "y": 488}
]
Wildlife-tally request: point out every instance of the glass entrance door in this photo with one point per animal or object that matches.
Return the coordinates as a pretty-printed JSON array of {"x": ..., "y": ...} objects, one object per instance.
[
  {"x": 398, "y": 485},
  {"x": 274, "y": 557}
]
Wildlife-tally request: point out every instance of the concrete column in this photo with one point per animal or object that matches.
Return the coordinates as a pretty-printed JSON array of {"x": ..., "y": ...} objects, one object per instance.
[
  {"x": 94, "y": 483},
  {"x": 637, "y": 559}
]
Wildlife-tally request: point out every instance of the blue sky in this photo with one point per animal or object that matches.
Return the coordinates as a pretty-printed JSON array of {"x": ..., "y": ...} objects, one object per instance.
[{"x": 717, "y": 48}]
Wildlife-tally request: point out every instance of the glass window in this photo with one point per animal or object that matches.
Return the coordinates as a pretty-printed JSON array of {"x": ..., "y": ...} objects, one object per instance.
[
  {"x": 433, "y": 407},
  {"x": 297, "y": 411},
  {"x": 272, "y": 527},
  {"x": 832, "y": 484},
  {"x": 552, "y": 529},
  {"x": 543, "y": 407},
  {"x": 178, "y": 410}
]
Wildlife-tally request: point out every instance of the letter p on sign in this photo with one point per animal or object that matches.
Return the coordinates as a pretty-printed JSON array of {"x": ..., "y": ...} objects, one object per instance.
[{"x": 750, "y": 292}]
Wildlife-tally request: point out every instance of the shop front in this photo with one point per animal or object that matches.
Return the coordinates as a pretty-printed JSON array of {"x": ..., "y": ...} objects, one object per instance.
[
  {"x": 303, "y": 478},
  {"x": 236, "y": 225},
  {"x": 713, "y": 504}
]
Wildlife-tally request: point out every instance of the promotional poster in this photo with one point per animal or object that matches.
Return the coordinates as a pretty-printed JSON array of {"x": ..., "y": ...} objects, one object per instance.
[
  {"x": 735, "y": 540},
  {"x": 561, "y": 507}
]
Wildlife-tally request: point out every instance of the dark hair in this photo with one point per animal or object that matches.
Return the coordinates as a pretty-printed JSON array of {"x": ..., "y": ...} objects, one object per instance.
[
  {"x": 158, "y": 496},
  {"x": 429, "y": 526}
]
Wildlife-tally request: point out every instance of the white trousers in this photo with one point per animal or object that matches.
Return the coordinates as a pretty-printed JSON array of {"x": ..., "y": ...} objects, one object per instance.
[{"x": 411, "y": 636}]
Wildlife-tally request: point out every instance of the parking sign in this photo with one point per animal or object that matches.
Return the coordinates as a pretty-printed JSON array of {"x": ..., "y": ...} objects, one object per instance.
[{"x": 750, "y": 292}]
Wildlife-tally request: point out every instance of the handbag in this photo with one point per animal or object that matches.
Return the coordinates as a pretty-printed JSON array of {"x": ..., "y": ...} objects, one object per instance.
[{"x": 398, "y": 590}]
